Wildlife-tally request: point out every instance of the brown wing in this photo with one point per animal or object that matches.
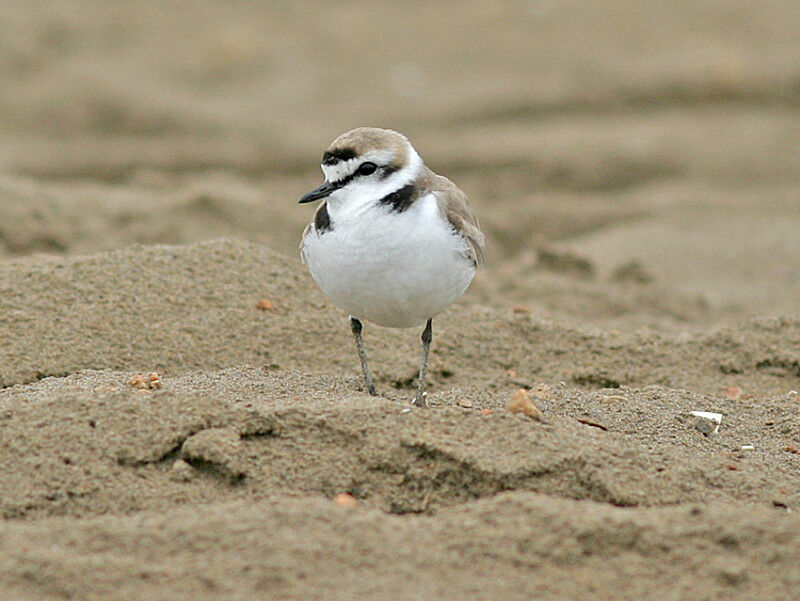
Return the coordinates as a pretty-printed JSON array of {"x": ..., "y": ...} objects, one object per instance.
[{"x": 454, "y": 206}]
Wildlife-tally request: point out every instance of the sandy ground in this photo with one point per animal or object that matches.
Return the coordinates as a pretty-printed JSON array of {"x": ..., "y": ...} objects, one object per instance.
[{"x": 635, "y": 167}]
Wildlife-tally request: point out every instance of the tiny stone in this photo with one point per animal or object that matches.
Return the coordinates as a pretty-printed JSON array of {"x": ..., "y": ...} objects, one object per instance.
[
  {"x": 345, "y": 500},
  {"x": 733, "y": 392},
  {"x": 154, "y": 380},
  {"x": 265, "y": 305},
  {"x": 520, "y": 402},
  {"x": 467, "y": 404},
  {"x": 139, "y": 381},
  {"x": 705, "y": 426}
]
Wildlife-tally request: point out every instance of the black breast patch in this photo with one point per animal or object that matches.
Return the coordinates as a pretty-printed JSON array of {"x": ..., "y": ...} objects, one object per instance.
[
  {"x": 322, "y": 221},
  {"x": 399, "y": 200}
]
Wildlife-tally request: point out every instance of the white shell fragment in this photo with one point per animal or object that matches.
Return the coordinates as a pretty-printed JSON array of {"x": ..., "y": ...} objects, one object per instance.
[
  {"x": 708, "y": 422},
  {"x": 714, "y": 417},
  {"x": 748, "y": 447}
]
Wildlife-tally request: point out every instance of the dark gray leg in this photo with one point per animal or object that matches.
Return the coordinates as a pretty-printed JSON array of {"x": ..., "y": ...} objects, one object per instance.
[
  {"x": 427, "y": 336},
  {"x": 356, "y": 327}
]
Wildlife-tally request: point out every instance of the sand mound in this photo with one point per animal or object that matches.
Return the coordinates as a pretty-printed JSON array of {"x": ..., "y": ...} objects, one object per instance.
[
  {"x": 511, "y": 544},
  {"x": 176, "y": 309},
  {"x": 80, "y": 438}
]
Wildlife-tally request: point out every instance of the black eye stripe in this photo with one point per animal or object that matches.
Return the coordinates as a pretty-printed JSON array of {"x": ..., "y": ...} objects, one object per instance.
[
  {"x": 386, "y": 171},
  {"x": 340, "y": 183}
]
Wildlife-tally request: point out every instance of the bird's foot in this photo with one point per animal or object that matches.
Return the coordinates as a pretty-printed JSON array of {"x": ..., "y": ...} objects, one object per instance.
[{"x": 420, "y": 400}]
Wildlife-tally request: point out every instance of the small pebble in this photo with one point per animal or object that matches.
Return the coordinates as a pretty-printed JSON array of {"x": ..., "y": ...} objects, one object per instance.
[
  {"x": 265, "y": 305},
  {"x": 520, "y": 402},
  {"x": 345, "y": 500},
  {"x": 733, "y": 392},
  {"x": 142, "y": 382},
  {"x": 705, "y": 426},
  {"x": 154, "y": 380},
  {"x": 707, "y": 422},
  {"x": 138, "y": 381}
]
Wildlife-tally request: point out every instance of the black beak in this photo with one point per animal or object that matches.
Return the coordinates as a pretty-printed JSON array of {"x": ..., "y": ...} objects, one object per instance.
[{"x": 321, "y": 192}]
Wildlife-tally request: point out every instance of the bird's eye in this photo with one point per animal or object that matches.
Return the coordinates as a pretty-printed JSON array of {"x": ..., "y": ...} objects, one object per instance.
[{"x": 366, "y": 168}]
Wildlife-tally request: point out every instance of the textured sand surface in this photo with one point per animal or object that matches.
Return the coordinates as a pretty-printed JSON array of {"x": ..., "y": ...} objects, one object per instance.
[{"x": 634, "y": 166}]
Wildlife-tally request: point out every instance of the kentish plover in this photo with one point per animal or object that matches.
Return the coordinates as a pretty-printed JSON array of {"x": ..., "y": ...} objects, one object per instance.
[{"x": 393, "y": 243}]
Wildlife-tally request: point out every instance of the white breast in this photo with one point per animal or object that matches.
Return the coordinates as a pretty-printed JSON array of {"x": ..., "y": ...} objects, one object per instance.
[{"x": 393, "y": 269}]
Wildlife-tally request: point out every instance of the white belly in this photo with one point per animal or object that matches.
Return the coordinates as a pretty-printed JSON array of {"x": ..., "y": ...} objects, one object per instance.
[{"x": 393, "y": 269}]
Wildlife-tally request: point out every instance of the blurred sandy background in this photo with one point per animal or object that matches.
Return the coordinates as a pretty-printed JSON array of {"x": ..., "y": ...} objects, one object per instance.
[{"x": 636, "y": 168}]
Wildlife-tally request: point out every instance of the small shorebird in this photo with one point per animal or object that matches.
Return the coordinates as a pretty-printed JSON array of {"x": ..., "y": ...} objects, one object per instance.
[{"x": 393, "y": 243}]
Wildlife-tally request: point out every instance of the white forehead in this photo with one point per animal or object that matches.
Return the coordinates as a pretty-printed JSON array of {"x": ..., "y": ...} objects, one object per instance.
[{"x": 337, "y": 171}]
